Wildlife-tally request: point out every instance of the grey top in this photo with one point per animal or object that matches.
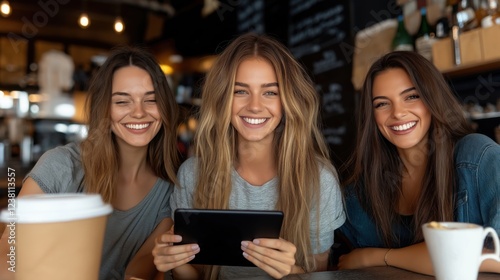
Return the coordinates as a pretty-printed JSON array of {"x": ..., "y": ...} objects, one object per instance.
[
  {"x": 247, "y": 196},
  {"x": 60, "y": 171}
]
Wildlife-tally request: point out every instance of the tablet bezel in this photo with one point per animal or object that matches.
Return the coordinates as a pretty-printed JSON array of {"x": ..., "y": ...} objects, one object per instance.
[{"x": 209, "y": 229}]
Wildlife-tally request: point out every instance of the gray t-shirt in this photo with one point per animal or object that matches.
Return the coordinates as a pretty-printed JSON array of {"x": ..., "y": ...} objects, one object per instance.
[
  {"x": 60, "y": 171},
  {"x": 247, "y": 196}
]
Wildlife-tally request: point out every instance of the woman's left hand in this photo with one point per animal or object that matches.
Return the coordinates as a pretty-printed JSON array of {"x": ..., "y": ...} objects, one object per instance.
[{"x": 275, "y": 256}]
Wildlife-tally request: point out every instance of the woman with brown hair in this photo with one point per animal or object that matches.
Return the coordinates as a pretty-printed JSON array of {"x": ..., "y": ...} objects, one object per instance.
[
  {"x": 258, "y": 146},
  {"x": 129, "y": 157},
  {"x": 415, "y": 161}
]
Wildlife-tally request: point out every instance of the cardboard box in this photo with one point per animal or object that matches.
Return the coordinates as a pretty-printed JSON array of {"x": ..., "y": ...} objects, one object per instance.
[
  {"x": 470, "y": 46},
  {"x": 477, "y": 46},
  {"x": 442, "y": 54},
  {"x": 490, "y": 38}
]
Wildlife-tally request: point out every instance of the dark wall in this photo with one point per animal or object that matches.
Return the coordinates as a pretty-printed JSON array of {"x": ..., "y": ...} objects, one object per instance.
[
  {"x": 315, "y": 31},
  {"x": 366, "y": 13}
]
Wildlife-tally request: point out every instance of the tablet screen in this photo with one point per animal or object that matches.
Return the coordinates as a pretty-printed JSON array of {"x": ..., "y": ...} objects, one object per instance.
[{"x": 219, "y": 232}]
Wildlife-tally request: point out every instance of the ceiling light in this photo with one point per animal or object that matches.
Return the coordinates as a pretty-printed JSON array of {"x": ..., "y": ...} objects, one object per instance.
[
  {"x": 5, "y": 8},
  {"x": 119, "y": 26},
  {"x": 209, "y": 6},
  {"x": 167, "y": 69},
  {"x": 176, "y": 58},
  {"x": 84, "y": 20}
]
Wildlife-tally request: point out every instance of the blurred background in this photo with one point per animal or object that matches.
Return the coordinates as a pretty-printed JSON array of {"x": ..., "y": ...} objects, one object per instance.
[{"x": 49, "y": 49}]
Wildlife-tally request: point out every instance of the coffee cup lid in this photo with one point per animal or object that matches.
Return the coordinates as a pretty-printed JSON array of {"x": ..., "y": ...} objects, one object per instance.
[{"x": 60, "y": 207}]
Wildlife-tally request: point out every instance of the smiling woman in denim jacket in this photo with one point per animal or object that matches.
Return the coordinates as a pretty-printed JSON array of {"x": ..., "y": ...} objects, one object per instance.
[{"x": 415, "y": 161}]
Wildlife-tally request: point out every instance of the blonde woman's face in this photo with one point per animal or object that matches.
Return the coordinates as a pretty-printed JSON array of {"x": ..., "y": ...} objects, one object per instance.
[
  {"x": 134, "y": 114},
  {"x": 256, "y": 109},
  {"x": 400, "y": 113}
]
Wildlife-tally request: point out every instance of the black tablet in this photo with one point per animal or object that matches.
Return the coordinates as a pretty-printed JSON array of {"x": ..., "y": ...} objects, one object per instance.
[{"x": 219, "y": 232}]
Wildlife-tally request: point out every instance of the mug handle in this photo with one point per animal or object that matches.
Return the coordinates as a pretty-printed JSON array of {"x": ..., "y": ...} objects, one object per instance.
[{"x": 496, "y": 254}]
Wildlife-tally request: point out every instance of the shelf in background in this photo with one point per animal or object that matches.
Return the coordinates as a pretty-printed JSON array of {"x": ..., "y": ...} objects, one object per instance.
[
  {"x": 482, "y": 116},
  {"x": 472, "y": 69}
]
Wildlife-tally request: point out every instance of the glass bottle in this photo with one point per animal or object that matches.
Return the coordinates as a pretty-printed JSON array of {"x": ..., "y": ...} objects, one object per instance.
[
  {"x": 442, "y": 26},
  {"x": 425, "y": 40},
  {"x": 466, "y": 15},
  {"x": 402, "y": 40},
  {"x": 493, "y": 15},
  {"x": 455, "y": 29},
  {"x": 481, "y": 10}
]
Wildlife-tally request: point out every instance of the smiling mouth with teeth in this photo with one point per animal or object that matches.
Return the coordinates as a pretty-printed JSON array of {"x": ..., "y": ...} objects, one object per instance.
[
  {"x": 137, "y": 126},
  {"x": 254, "y": 121},
  {"x": 405, "y": 126}
]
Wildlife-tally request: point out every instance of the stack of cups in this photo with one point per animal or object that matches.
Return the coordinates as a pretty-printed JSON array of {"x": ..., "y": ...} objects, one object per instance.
[{"x": 58, "y": 236}]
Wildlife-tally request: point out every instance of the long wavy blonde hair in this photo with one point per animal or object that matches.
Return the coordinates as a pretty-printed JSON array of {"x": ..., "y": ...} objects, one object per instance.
[
  {"x": 299, "y": 144},
  {"x": 99, "y": 151}
]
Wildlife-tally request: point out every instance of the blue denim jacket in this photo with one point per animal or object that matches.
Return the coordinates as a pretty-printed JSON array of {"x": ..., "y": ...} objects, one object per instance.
[{"x": 477, "y": 165}]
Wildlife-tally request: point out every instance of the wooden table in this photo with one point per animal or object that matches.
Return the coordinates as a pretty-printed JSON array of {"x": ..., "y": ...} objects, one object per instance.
[{"x": 372, "y": 273}]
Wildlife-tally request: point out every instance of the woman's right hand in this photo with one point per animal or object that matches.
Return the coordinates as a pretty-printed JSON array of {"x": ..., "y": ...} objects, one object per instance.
[{"x": 168, "y": 256}]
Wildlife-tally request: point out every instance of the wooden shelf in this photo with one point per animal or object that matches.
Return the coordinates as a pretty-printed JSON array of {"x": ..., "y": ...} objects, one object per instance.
[
  {"x": 481, "y": 116},
  {"x": 472, "y": 69}
]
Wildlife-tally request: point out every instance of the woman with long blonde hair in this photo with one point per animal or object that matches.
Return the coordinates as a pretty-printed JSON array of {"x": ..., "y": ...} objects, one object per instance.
[{"x": 258, "y": 146}]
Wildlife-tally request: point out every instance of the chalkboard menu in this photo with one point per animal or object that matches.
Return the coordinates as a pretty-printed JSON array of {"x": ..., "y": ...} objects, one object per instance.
[
  {"x": 317, "y": 32},
  {"x": 251, "y": 16}
]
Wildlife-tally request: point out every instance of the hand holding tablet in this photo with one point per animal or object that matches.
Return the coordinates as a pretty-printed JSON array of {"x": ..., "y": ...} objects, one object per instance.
[{"x": 219, "y": 232}]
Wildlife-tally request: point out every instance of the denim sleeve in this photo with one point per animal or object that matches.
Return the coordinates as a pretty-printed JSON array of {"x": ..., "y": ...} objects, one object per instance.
[
  {"x": 478, "y": 176},
  {"x": 488, "y": 180}
]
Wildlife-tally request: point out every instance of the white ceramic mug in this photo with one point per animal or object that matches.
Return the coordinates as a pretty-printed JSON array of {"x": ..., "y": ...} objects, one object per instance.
[{"x": 456, "y": 249}]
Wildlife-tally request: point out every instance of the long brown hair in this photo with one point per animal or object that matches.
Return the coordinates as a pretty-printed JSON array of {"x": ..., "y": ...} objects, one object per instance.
[
  {"x": 376, "y": 166},
  {"x": 299, "y": 144},
  {"x": 99, "y": 152}
]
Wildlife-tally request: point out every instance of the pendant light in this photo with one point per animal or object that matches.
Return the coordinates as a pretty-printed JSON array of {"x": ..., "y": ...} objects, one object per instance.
[
  {"x": 5, "y": 8},
  {"x": 119, "y": 26},
  {"x": 84, "y": 20}
]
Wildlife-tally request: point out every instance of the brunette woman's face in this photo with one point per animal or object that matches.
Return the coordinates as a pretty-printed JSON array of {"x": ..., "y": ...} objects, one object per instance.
[
  {"x": 256, "y": 109},
  {"x": 400, "y": 113},
  {"x": 134, "y": 114}
]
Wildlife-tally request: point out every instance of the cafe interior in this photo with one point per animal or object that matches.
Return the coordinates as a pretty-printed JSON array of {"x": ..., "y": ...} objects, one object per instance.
[
  {"x": 336, "y": 41},
  {"x": 185, "y": 35}
]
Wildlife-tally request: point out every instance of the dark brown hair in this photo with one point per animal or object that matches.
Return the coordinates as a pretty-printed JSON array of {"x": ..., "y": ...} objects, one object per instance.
[{"x": 376, "y": 168}]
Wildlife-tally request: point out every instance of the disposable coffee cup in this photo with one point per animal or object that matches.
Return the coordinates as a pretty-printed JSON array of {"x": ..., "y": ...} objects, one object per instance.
[
  {"x": 56, "y": 236},
  {"x": 456, "y": 249}
]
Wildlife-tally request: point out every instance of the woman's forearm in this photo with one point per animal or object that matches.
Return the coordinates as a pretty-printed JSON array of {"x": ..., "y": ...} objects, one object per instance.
[{"x": 414, "y": 258}]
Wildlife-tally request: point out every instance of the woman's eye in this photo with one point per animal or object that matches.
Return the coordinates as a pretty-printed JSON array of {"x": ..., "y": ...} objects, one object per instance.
[
  {"x": 270, "y": 93},
  {"x": 380, "y": 104},
  {"x": 414, "y": 96},
  {"x": 239, "y": 92},
  {"x": 121, "y": 102},
  {"x": 151, "y": 100}
]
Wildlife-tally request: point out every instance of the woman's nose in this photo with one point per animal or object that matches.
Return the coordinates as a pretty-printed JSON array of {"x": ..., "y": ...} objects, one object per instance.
[
  {"x": 138, "y": 111},
  {"x": 254, "y": 103},
  {"x": 399, "y": 110}
]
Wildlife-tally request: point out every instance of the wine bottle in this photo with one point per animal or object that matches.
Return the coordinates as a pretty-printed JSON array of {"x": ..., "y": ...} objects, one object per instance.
[
  {"x": 481, "y": 10},
  {"x": 442, "y": 27},
  {"x": 425, "y": 40},
  {"x": 402, "y": 40}
]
